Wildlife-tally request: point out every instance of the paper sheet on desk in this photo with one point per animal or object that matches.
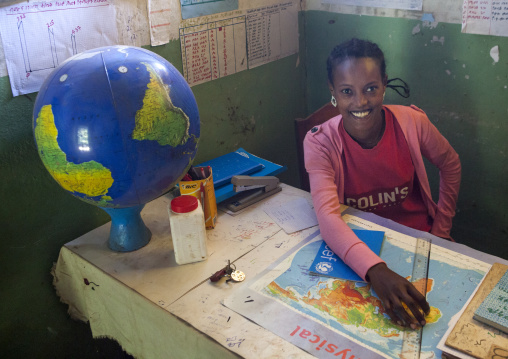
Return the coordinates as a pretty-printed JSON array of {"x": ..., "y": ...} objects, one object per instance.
[
  {"x": 451, "y": 324},
  {"x": 293, "y": 216}
]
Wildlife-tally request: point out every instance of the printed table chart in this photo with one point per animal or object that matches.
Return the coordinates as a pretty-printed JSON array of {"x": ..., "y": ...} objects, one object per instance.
[
  {"x": 272, "y": 33},
  {"x": 213, "y": 50}
]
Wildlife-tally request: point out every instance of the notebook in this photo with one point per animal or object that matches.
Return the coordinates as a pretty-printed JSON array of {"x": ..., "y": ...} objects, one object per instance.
[
  {"x": 328, "y": 264},
  {"x": 493, "y": 310}
]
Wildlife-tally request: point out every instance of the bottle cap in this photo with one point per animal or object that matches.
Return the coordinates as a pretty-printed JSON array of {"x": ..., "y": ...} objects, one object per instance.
[{"x": 184, "y": 204}]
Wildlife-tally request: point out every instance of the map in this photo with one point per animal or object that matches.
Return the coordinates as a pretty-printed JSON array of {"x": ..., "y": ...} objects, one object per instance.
[{"x": 331, "y": 317}]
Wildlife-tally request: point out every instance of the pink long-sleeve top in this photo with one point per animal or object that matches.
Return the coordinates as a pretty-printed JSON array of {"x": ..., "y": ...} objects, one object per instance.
[{"x": 323, "y": 148}]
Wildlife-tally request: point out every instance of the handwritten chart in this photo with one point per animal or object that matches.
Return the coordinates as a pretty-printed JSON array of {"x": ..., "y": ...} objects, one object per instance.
[
  {"x": 272, "y": 32},
  {"x": 39, "y": 36},
  {"x": 223, "y": 44},
  {"x": 213, "y": 49},
  {"x": 485, "y": 17}
]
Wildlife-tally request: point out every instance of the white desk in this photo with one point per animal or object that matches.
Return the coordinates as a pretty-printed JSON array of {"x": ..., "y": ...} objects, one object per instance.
[{"x": 155, "y": 308}]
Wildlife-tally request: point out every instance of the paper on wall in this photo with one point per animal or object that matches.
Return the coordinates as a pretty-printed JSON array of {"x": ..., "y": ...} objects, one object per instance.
[
  {"x": 132, "y": 22},
  {"x": 213, "y": 46},
  {"x": 197, "y": 8},
  {"x": 389, "y": 4},
  {"x": 485, "y": 17},
  {"x": 449, "y": 11},
  {"x": 39, "y": 36},
  {"x": 165, "y": 19},
  {"x": 272, "y": 32},
  {"x": 3, "y": 65},
  {"x": 494, "y": 53}
]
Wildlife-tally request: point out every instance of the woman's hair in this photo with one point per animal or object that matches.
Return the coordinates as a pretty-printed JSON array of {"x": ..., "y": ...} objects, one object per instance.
[{"x": 355, "y": 49}]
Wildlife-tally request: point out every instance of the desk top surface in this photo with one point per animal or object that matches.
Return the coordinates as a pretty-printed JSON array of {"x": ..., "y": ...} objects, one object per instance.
[
  {"x": 233, "y": 237},
  {"x": 251, "y": 240}
]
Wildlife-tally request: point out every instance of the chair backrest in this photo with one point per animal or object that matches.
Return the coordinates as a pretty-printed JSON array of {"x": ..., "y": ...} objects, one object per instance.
[{"x": 302, "y": 126}]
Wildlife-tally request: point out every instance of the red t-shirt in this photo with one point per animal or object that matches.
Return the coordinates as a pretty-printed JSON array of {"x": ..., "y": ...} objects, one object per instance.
[{"x": 382, "y": 179}]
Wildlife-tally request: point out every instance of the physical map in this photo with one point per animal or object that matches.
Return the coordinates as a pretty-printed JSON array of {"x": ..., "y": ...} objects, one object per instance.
[{"x": 330, "y": 317}]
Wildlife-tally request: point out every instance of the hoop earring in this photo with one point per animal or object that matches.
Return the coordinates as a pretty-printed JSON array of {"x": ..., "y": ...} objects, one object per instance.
[{"x": 333, "y": 101}]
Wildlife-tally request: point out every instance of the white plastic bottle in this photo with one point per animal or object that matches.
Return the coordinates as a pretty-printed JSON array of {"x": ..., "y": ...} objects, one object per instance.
[{"x": 188, "y": 230}]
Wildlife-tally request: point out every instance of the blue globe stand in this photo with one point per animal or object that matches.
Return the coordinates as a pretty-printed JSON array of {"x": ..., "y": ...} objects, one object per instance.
[{"x": 128, "y": 231}]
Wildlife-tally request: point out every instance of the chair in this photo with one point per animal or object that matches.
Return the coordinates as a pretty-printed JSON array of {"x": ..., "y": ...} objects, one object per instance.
[{"x": 302, "y": 126}]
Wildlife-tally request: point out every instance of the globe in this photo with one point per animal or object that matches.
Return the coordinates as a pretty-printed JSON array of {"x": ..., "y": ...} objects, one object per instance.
[{"x": 117, "y": 127}]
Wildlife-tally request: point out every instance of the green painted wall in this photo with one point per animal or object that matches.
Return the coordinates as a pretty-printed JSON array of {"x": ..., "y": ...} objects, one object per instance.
[
  {"x": 254, "y": 109},
  {"x": 463, "y": 92}
]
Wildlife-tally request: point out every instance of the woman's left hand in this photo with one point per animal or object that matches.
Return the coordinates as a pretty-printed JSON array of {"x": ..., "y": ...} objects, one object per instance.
[{"x": 394, "y": 290}]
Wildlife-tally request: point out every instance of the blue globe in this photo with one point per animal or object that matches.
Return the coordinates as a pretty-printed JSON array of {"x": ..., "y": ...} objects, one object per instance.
[{"x": 117, "y": 127}]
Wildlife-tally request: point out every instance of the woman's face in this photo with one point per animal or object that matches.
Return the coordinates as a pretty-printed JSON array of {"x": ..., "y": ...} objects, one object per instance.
[{"x": 359, "y": 89}]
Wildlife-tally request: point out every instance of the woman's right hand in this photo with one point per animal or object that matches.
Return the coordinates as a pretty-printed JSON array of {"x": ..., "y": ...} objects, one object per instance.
[{"x": 393, "y": 290}]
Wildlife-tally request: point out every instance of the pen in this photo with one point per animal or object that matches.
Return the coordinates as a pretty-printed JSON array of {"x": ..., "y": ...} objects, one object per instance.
[
  {"x": 202, "y": 187},
  {"x": 192, "y": 173}
]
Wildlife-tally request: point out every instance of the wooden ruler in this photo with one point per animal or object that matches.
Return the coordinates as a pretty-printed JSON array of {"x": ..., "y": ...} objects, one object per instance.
[{"x": 412, "y": 340}]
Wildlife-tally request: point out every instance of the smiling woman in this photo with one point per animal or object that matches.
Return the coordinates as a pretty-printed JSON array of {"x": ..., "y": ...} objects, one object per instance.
[
  {"x": 358, "y": 87},
  {"x": 370, "y": 157}
]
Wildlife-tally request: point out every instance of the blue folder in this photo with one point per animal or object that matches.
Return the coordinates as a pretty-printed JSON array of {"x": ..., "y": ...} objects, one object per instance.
[
  {"x": 229, "y": 165},
  {"x": 328, "y": 264},
  {"x": 226, "y": 191}
]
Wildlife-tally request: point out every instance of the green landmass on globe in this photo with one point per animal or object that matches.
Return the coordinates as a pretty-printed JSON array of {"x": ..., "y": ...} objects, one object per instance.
[
  {"x": 350, "y": 305},
  {"x": 89, "y": 178},
  {"x": 159, "y": 120}
]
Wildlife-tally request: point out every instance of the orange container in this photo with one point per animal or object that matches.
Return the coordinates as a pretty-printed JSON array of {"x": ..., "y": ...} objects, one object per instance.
[{"x": 203, "y": 190}]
